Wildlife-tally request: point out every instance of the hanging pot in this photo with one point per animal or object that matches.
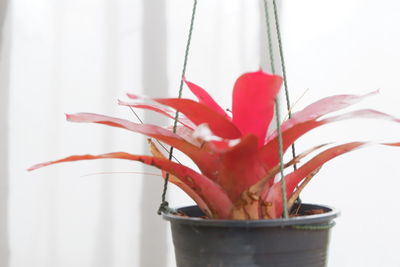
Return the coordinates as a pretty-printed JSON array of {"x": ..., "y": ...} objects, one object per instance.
[{"x": 295, "y": 242}]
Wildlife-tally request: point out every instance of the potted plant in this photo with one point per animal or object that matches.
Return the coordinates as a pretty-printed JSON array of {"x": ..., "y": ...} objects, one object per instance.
[{"x": 238, "y": 218}]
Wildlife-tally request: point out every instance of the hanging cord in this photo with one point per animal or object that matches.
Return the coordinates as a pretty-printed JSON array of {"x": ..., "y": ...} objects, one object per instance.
[
  {"x": 269, "y": 36},
  {"x": 277, "y": 104},
  {"x": 288, "y": 107},
  {"x": 278, "y": 32},
  {"x": 281, "y": 164},
  {"x": 164, "y": 206},
  {"x": 322, "y": 227},
  {"x": 271, "y": 55}
]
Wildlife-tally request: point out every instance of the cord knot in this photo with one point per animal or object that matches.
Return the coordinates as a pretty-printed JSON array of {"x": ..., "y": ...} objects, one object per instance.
[{"x": 164, "y": 208}]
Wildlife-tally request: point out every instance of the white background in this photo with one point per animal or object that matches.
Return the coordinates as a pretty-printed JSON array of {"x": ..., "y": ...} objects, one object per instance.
[{"x": 70, "y": 56}]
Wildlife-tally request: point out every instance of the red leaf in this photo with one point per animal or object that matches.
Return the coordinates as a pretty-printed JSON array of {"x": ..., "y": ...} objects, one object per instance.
[
  {"x": 240, "y": 167},
  {"x": 199, "y": 113},
  {"x": 173, "y": 179},
  {"x": 392, "y": 144},
  {"x": 274, "y": 196},
  {"x": 186, "y": 134},
  {"x": 166, "y": 112},
  {"x": 264, "y": 185},
  {"x": 269, "y": 153},
  {"x": 205, "y": 98},
  {"x": 204, "y": 160},
  {"x": 253, "y": 102},
  {"x": 362, "y": 113},
  {"x": 211, "y": 193},
  {"x": 146, "y": 129},
  {"x": 322, "y": 107}
]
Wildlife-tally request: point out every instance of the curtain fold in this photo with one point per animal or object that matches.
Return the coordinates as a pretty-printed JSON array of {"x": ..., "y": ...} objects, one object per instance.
[
  {"x": 4, "y": 132},
  {"x": 153, "y": 244},
  {"x": 103, "y": 245}
]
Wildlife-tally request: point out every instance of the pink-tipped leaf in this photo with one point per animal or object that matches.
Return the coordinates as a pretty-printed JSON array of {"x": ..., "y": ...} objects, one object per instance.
[
  {"x": 274, "y": 197},
  {"x": 269, "y": 153},
  {"x": 199, "y": 113},
  {"x": 166, "y": 112},
  {"x": 205, "y": 161},
  {"x": 321, "y": 108},
  {"x": 205, "y": 98},
  {"x": 211, "y": 193},
  {"x": 175, "y": 180}
]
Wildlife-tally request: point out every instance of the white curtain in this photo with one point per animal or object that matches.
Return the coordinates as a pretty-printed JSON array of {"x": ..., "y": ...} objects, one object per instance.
[
  {"x": 69, "y": 56},
  {"x": 344, "y": 47},
  {"x": 4, "y": 133}
]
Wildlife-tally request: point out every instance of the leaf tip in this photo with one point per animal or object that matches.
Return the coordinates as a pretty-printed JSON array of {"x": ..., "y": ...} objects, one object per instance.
[
  {"x": 37, "y": 166},
  {"x": 188, "y": 83},
  {"x": 132, "y": 96}
]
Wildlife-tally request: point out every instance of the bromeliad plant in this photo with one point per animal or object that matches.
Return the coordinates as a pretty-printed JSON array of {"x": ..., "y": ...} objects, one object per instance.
[{"x": 238, "y": 160}]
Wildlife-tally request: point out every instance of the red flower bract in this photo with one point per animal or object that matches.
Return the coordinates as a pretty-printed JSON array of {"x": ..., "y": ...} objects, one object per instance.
[{"x": 238, "y": 162}]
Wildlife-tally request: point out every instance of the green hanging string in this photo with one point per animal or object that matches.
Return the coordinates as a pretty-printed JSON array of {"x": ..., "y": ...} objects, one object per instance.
[
  {"x": 269, "y": 36},
  {"x": 321, "y": 227},
  {"x": 278, "y": 31},
  {"x": 164, "y": 206},
  {"x": 277, "y": 104}
]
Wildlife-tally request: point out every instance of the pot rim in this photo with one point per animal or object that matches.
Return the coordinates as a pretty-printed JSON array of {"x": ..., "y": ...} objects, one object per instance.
[{"x": 324, "y": 218}]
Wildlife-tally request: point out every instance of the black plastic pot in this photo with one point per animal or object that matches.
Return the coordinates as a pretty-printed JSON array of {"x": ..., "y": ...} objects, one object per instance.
[{"x": 295, "y": 242}]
